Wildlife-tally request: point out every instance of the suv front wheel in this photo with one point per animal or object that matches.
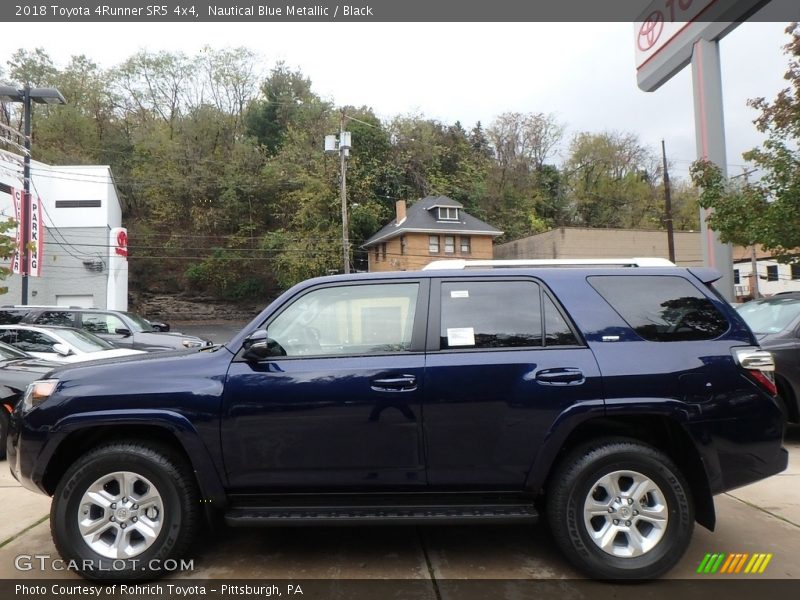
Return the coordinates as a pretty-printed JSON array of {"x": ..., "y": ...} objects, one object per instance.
[
  {"x": 122, "y": 510},
  {"x": 620, "y": 510}
]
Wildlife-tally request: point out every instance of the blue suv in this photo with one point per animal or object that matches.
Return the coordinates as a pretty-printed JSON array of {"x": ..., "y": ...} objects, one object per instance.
[{"x": 615, "y": 401}]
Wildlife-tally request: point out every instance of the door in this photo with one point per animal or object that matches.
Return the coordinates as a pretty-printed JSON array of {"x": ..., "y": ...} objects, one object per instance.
[
  {"x": 503, "y": 363},
  {"x": 338, "y": 405}
]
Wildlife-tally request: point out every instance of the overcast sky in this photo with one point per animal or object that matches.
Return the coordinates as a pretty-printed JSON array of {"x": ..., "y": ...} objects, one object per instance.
[{"x": 582, "y": 72}]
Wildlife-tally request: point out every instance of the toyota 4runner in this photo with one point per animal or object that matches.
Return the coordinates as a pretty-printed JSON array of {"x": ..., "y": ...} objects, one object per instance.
[{"x": 613, "y": 400}]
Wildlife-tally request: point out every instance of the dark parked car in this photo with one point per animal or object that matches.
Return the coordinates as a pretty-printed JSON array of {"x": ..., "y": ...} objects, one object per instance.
[
  {"x": 120, "y": 328},
  {"x": 17, "y": 370},
  {"x": 776, "y": 323},
  {"x": 615, "y": 401}
]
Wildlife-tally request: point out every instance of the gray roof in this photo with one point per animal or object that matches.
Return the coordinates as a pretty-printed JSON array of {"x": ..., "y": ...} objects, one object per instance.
[{"x": 421, "y": 217}]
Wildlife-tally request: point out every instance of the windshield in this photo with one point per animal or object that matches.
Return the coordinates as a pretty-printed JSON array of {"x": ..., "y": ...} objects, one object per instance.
[
  {"x": 139, "y": 325},
  {"x": 770, "y": 316},
  {"x": 10, "y": 353},
  {"x": 84, "y": 341}
]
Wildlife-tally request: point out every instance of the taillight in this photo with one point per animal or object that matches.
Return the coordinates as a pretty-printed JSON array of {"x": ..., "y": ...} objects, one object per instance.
[{"x": 759, "y": 364}]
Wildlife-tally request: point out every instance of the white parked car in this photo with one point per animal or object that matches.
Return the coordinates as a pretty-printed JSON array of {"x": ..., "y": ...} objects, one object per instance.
[{"x": 60, "y": 344}]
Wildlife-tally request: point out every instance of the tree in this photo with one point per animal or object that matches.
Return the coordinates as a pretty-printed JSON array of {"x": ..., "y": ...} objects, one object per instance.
[
  {"x": 765, "y": 212},
  {"x": 612, "y": 179}
]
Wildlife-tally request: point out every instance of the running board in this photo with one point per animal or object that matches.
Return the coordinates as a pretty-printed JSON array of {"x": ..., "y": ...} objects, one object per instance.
[{"x": 289, "y": 516}]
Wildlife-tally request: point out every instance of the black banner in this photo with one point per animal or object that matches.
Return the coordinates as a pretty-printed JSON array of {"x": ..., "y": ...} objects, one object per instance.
[{"x": 365, "y": 11}]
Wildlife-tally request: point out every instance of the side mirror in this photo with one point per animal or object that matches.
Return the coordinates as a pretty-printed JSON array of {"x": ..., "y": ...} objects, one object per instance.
[
  {"x": 123, "y": 332},
  {"x": 61, "y": 349},
  {"x": 256, "y": 345}
]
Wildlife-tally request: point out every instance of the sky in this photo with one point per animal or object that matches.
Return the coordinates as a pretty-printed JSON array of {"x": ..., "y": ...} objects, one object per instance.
[{"x": 583, "y": 73}]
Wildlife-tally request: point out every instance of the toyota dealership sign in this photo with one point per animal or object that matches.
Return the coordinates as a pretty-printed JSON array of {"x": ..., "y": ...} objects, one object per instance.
[{"x": 666, "y": 30}]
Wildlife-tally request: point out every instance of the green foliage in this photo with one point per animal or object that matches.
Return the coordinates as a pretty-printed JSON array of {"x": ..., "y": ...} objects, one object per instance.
[
  {"x": 226, "y": 189},
  {"x": 766, "y": 212},
  {"x": 7, "y": 248}
]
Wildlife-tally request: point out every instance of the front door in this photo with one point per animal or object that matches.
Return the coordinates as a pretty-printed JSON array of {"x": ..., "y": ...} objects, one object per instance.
[{"x": 338, "y": 405}]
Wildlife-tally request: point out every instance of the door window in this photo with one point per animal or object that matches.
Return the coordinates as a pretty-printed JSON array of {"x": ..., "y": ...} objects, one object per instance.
[
  {"x": 102, "y": 323},
  {"x": 353, "y": 319},
  {"x": 57, "y": 317},
  {"x": 33, "y": 341},
  {"x": 490, "y": 314}
]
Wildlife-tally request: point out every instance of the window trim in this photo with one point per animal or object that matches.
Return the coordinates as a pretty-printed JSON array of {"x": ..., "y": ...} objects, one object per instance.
[
  {"x": 461, "y": 240},
  {"x": 418, "y": 328},
  {"x": 445, "y": 216},
  {"x": 776, "y": 270},
  {"x": 435, "y": 316},
  {"x": 438, "y": 245},
  {"x": 453, "y": 238}
]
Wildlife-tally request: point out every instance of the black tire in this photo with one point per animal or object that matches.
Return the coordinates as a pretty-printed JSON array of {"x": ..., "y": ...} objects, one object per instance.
[
  {"x": 3, "y": 431},
  {"x": 178, "y": 518},
  {"x": 579, "y": 477}
]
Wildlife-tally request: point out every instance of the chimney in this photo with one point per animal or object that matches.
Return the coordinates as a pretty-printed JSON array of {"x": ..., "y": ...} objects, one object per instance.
[{"x": 400, "y": 207}]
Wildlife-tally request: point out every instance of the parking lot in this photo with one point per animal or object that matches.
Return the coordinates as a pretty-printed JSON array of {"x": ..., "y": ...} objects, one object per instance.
[{"x": 760, "y": 518}]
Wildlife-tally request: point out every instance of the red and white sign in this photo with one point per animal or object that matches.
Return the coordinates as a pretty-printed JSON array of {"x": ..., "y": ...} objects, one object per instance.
[
  {"x": 121, "y": 249},
  {"x": 664, "y": 19},
  {"x": 35, "y": 237},
  {"x": 35, "y": 234},
  {"x": 16, "y": 261}
]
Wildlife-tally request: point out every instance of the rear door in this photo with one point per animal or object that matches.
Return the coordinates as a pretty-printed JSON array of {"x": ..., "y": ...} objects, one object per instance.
[{"x": 503, "y": 363}]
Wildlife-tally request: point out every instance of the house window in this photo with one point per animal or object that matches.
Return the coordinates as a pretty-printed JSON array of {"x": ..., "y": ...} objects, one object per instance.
[
  {"x": 376, "y": 253},
  {"x": 736, "y": 276},
  {"x": 383, "y": 250},
  {"x": 795, "y": 271},
  {"x": 449, "y": 244},
  {"x": 402, "y": 244},
  {"x": 772, "y": 272},
  {"x": 447, "y": 213},
  {"x": 465, "y": 245},
  {"x": 433, "y": 244}
]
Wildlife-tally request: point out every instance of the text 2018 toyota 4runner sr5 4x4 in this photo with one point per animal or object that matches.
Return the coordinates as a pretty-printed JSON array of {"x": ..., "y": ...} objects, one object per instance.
[{"x": 614, "y": 401}]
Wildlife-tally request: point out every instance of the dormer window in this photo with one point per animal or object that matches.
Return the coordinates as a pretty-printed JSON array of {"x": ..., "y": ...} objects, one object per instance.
[{"x": 448, "y": 213}]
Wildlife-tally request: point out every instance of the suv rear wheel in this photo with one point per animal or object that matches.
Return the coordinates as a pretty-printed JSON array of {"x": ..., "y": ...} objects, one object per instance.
[
  {"x": 620, "y": 510},
  {"x": 124, "y": 509}
]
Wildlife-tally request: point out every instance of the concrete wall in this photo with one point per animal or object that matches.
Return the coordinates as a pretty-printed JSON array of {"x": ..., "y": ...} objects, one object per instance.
[
  {"x": 585, "y": 242},
  {"x": 417, "y": 254},
  {"x": 63, "y": 270}
]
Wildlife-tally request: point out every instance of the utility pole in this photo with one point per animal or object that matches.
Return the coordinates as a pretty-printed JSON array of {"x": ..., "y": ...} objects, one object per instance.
[
  {"x": 343, "y": 146},
  {"x": 668, "y": 206},
  {"x": 26, "y": 194},
  {"x": 344, "y": 150}
]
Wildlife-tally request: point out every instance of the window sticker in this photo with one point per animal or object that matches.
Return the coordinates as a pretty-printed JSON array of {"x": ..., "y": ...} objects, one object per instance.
[
  {"x": 460, "y": 336},
  {"x": 459, "y": 294}
]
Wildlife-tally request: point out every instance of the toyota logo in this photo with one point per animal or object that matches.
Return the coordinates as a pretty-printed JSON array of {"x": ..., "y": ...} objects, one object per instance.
[{"x": 650, "y": 30}]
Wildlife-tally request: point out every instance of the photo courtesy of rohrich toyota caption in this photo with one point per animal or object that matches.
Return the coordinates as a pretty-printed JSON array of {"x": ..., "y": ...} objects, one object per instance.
[{"x": 434, "y": 300}]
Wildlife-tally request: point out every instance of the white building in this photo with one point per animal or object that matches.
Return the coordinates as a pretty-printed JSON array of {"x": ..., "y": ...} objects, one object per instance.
[
  {"x": 84, "y": 253},
  {"x": 773, "y": 277}
]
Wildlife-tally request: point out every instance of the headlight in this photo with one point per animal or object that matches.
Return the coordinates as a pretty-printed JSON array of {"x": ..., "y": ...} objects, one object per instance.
[
  {"x": 190, "y": 343},
  {"x": 38, "y": 392}
]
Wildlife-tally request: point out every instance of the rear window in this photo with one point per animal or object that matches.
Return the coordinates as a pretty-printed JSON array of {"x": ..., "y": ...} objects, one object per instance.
[
  {"x": 662, "y": 308},
  {"x": 11, "y": 317}
]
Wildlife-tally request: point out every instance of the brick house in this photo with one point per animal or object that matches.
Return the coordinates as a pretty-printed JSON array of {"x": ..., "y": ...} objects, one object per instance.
[{"x": 432, "y": 228}]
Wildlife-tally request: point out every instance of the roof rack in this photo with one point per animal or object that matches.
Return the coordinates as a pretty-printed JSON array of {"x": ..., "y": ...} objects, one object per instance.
[{"x": 461, "y": 264}]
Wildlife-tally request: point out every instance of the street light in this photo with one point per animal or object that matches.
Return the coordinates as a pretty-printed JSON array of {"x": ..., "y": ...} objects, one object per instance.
[{"x": 27, "y": 95}]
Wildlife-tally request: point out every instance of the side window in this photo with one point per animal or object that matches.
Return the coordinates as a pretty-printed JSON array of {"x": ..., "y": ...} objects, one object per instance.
[
  {"x": 353, "y": 319},
  {"x": 56, "y": 317},
  {"x": 490, "y": 314},
  {"x": 8, "y": 336},
  {"x": 557, "y": 331},
  {"x": 662, "y": 308},
  {"x": 33, "y": 341},
  {"x": 11, "y": 317},
  {"x": 101, "y": 322}
]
